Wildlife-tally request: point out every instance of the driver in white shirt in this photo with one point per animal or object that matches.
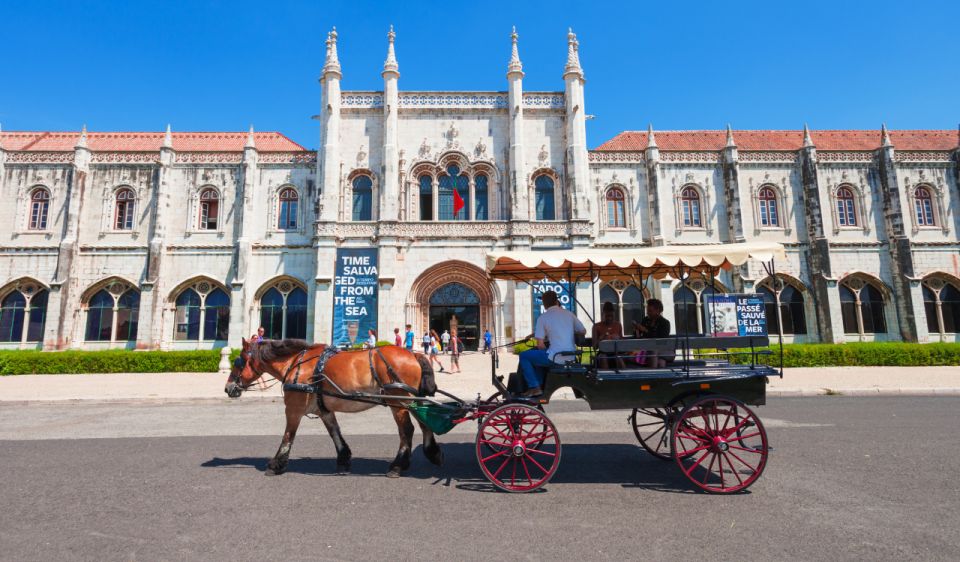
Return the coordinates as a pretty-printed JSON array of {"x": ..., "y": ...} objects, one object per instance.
[{"x": 556, "y": 325}]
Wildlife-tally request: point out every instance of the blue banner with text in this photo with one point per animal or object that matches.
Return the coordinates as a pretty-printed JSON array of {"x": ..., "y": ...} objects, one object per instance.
[{"x": 355, "y": 292}]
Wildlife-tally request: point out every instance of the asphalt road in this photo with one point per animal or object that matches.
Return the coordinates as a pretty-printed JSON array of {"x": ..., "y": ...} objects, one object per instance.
[{"x": 850, "y": 478}]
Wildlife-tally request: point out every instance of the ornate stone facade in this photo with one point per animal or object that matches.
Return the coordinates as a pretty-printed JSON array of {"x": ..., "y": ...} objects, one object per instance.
[{"x": 181, "y": 240}]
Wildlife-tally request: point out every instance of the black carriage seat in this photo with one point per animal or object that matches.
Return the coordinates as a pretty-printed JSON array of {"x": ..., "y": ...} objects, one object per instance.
[{"x": 567, "y": 363}]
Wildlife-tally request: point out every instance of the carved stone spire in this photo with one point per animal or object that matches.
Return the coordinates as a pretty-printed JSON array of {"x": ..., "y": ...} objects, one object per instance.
[
  {"x": 515, "y": 65},
  {"x": 651, "y": 140},
  {"x": 391, "y": 65},
  {"x": 573, "y": 54},
  {"x": 730, "y": 142},
  {"x": 168, "y": 138},
  {"x": 332, "y": 63},
  {"x": 807, "y": 141},
  {"x": 250, "y": 142},
  {"x": 884, "y": 136},
  {"x": 82, "y": 141}
]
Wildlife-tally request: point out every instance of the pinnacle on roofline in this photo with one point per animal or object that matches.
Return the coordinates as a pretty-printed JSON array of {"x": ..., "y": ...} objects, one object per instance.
[
  {"x": 391, "y": 64},
  {"x": 332, "y": 63},
  {"x": 168, "y": 138},
  {"x": 651, "y": 140},
  {"x": 884, "y": 136},
  {"x": 807, "y": 141},
  {"x": 250, "y": 142},
  {"x": 514, "y": 65},
  {"x": 82, "y": 141},
  {"x": 573, "y": 54},
  {"x": 730, "y": 142}
]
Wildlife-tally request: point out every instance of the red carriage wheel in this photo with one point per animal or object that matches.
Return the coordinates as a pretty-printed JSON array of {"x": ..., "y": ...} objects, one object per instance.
[
  {"x": 719, "y": 444},
  {"x": 518, "y": 448}
]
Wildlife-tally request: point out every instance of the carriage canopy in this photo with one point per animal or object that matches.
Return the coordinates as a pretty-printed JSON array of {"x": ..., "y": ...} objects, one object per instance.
[{"x": 607, "y": 263}]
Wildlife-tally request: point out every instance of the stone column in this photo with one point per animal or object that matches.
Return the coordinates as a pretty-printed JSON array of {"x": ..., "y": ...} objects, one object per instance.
[
  {"x": 901, "y": 255},
  {"x": 731, "y": 196},
  {"x": 516, "y": 173},
  {"x": 239, "y": 291},
  {"x": 151, "y": 328},
  {"x": 652, "y": 158},
  {"x": 578, "y": 170},
  {"x": 390, "y": 194},
  {"x": 818, "y": 247}
]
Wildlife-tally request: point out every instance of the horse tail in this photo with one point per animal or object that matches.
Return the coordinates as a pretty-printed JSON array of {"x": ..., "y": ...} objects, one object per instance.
[{"x": 428, "y": 382}]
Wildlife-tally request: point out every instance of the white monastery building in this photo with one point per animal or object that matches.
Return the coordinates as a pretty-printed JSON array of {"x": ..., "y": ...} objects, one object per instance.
[{"x": 193, "y": 240}]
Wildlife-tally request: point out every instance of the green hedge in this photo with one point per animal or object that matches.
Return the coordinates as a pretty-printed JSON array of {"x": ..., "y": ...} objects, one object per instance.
[{"x": 113, "y": 361}]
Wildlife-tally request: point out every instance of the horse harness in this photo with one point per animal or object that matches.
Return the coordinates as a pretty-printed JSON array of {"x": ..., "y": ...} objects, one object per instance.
[{"x": 315, "y": 386}]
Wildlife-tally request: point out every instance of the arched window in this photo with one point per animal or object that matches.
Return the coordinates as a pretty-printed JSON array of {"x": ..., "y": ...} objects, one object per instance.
[
  {"x": 690, "y": 207},
  {"x": 792, "y": 310},
  {"x": 362, "y": 198},
  {"x": 453, "y": 186},
  {"x": 862, "y": 308},
  {"x": 426, "y": 197},
  {"x": 25, "y": 305},
  {"x": 941, "y": 301},
  {"x": 283, "y": 312},
  {"x": 289, "y": 209},
  {"x": 688, "y": 306},
  {"x": 544, "y": 198},
  {"x": 923, "y": 205},
  {"x": 767, "y": 199},
  {"x": 481, "y": 197},
  {"x": 100, "y": 317},
  {"x": 39, "y": 209},
  {"x": 104, "y": 311},
  {"x": 634, "y": 307},
  {"x": 209, "y": 209},
  {"x": 616, "y": 210},
  {"x": 846, "y": 207},
  {"x": 201, "y": 311},
  {"x": 123, "y": 209}
]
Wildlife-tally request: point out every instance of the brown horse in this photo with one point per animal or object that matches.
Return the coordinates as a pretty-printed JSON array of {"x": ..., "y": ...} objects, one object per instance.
[{"x": 367, "y": 371}]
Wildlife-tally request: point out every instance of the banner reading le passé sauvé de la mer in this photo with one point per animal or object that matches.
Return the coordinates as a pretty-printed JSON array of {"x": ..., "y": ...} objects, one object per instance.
[
  {"x": 563, "y": 289},
  {"x": 736, "y": 315},
  {"x": 355, "y": 292}
]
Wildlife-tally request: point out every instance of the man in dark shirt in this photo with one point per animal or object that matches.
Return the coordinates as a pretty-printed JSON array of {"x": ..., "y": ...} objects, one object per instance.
[{"x": 654, "y": 325}]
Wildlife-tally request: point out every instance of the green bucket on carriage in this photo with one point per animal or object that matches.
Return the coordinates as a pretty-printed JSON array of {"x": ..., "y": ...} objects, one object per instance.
[{"x": 439, "y": 417}]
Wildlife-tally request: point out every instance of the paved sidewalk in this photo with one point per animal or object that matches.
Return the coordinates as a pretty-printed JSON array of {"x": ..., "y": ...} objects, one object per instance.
[{"x": 475, "y": 379}]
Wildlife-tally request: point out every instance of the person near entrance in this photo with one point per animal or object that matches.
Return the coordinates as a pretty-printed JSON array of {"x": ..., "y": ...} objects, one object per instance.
[
  {"x": 487, "y": 340},
  {"x": 397, "y": 340},
  {"x": 556, "y": 325},
  {"x": 427, "y": 342},
  {"x": 454, "y": 344},
  {"x": 445, "y": 339},
  {"x": 408, "y": 338}
]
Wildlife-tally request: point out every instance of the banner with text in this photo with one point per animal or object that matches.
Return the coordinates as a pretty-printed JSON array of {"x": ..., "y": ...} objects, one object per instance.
[
  {"x": 355, "y": 292},
  {"x": 736, "y": 315},
  {"x": 562, "y": 288}
]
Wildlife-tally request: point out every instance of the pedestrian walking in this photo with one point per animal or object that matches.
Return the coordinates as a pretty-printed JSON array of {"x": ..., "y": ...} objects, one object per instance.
[
  {"x": 434, "y": 348},
  {"x": 258, "y": 337},
  {"x": 455, "y": 349},
  {"x": 397, "y": 340},
  {"x": 371, "y": 338},
  {"x": 408, "y": 338},
  {"x": 445, "y": 338},
  {"x": 426, "y": 342},
  {"x": 487, "y": 340}
]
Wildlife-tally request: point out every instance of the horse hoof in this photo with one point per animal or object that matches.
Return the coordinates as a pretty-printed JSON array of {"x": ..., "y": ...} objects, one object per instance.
[
  {"x": 435, "y": 457},
  {"x": 394, "y": 473},
  {"x": 274, "y": 471},
  {"x": 343, "y": 469}
]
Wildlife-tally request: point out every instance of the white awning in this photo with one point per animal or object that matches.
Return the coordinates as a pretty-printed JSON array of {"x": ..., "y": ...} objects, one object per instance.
[{"x": 642, "y": 262}]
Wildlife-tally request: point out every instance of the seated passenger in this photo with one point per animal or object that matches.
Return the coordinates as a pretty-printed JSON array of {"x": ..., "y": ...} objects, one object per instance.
[
  {"x": 557, "y": 325},
  {"x": 654, "y": 325},
  {"x": 607, "y": 329}
]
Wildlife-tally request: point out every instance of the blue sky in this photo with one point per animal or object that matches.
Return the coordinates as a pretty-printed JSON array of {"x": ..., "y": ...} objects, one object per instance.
[{"x": 207, "y": 65}]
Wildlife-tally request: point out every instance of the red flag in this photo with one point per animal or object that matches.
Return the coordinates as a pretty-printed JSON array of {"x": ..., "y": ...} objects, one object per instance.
[{"x": 457, "y": 202}]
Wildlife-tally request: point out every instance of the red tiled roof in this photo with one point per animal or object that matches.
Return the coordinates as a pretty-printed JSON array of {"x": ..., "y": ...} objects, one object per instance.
[
  {"x": 146, "y": 142},
  {"x": 783, "y": 140}
]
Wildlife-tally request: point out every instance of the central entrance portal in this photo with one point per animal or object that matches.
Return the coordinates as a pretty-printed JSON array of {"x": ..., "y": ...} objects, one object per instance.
[{"x": 456, "y": 307}]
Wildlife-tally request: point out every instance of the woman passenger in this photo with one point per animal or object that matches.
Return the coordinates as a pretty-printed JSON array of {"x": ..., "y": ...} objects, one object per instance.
[{"x": 607, "y": 329}]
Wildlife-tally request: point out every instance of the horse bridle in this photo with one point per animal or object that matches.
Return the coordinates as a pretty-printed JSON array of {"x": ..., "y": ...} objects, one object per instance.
[{"x": 239, "y": 363}]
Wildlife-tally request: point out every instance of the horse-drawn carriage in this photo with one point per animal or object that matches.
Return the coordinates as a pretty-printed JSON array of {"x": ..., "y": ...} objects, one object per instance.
[{"x": 695, "y": 411}]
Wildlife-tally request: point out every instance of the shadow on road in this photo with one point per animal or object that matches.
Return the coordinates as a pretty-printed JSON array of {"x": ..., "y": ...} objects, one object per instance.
[{"x": 617, "y": 464}]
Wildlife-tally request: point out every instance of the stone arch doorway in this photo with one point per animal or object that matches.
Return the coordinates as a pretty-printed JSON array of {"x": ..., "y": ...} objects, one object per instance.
[{"x": 455, "y": 291}]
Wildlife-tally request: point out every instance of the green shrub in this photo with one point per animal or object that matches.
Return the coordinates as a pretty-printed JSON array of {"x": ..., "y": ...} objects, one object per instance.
[
  {"x": 872, "y": 354},
  {"x": 112, "y": 361}
]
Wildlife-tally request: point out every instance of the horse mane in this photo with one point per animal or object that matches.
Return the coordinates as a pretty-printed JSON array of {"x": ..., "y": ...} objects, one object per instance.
[{"x": 274, "y": 350}]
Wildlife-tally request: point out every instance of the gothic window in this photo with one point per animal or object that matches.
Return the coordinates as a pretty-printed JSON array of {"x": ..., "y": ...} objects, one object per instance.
[
  {"x": 616, "y": 209},
  {"x": 104, "y": 311},
  {"x": 209, "y": 209},
  {"x": 767, "y": 200},
  {"x": 362, "y": 198},
  {"x": 941, "y": 301},
  {"x": 481, "y": 197},
  {"x": 633, "y": 307},
  {"x": 123, "y": 209},
  {"x": 452, "y": 197},
  {"x": 790, "y": 301},
  {"x": 39, "y": 208},
  {"x": 846, "y": 207},
  {"x": 23, "y": 313},
  {"x": 202, "y": 312},
  {"x": 923, "y": 206},
  {"x": 862, "y": 308},
  {"x": 453, "y": 294},
  {"x": 688, "y": 305},
  {"x": 690, "y": 207},
  {"x": 544, "y": 198},
  {"x": 283, "y": 312},
  {"x": 289, "y": 208},
  {"x": 426, "y": 197}
]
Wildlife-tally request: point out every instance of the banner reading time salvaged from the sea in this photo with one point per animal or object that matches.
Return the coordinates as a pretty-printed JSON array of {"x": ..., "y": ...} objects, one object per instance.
[{"x": 355, "y": 295}]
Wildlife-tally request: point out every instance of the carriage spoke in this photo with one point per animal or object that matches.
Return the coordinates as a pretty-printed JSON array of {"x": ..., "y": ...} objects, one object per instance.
[
  {"x": 539, "y": 452},
  {"x": 746, "y": 464},
  {"x": 497, "y": 473},
  {"x": 748, "y": 450},
  {"x": 733, "y": 470},
  {"x": 495, "y": 455}
]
